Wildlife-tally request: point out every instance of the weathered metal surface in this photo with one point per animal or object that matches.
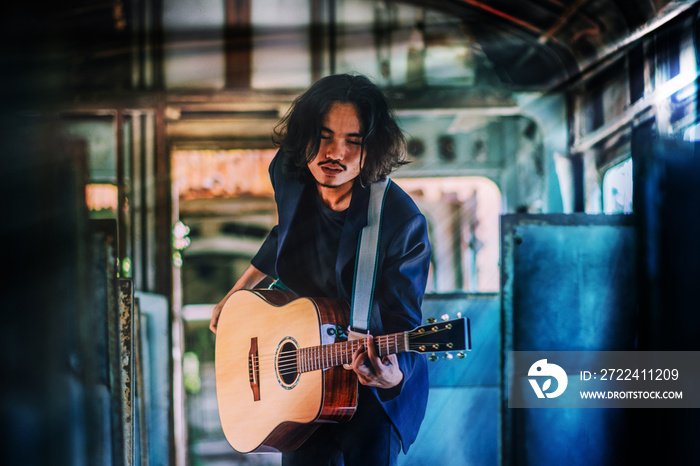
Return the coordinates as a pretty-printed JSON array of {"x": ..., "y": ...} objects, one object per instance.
[
  {"x": 126, "y": 336},
  {"x": 140, "y": 424},
  {"x": 461, "y": 419},
  {"x": 569, "y": 283},
  {"x": 154, "y": 320},
  {"x": 104, "y": 234}
]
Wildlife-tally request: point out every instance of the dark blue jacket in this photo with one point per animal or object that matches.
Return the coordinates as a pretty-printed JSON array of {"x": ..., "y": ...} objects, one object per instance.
[{"x": 404, "y": 260}]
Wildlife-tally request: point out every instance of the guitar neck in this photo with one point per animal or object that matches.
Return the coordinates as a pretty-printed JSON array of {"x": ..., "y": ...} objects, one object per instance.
[
  {"x": 322, "y": 357},
  {"x": 443, "y": 336}
]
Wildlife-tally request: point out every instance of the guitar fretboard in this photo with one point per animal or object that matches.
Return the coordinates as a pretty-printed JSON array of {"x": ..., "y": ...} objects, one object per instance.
[{"x": 325, "y": 356}]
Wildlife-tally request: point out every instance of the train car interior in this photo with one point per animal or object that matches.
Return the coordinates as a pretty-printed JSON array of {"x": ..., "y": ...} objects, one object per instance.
[{"x": 553, "y": 148}]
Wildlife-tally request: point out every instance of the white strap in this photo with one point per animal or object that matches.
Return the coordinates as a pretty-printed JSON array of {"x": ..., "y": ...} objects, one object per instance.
[{"x": 367, "y": 258}]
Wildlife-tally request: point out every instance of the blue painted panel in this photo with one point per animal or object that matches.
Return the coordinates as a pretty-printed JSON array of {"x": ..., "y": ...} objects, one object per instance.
[
  {"x": 569, "y": 283},
  {"x": 461, "y": 421},
  {"x": 574, "y": 437},
  {"x": 480, "y": 367},
  {"x": 155, "y": 333},
  {"x": 460, "y": 429},
  {"x": 574, "y": 288}
]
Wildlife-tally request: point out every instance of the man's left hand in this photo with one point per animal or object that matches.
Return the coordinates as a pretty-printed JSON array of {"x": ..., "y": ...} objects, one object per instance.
[{"x": 381, "y": 372}]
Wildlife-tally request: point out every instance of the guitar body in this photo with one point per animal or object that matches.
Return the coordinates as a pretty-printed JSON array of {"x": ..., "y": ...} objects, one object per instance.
[{"x": 265, "y": 402}]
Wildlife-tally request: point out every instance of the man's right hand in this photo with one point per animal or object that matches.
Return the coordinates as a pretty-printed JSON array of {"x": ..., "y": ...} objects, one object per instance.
[
  {"x": 215, "y": 315},
  {"x": 248, "y": 280}
]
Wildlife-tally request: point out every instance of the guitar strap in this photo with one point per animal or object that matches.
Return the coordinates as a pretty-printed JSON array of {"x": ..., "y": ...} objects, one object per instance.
[{"x": 367, "y": 258}]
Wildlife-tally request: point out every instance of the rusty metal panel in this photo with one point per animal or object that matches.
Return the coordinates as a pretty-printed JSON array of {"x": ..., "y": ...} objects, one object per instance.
[
  {"x": 126, "y": 338},
  {"x": 106, "y": 291}
]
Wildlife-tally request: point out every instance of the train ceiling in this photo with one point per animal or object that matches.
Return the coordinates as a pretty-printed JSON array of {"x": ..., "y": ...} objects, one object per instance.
[
  {"x": 531, "y": 45},
  {"x": 539, "y": 44}
]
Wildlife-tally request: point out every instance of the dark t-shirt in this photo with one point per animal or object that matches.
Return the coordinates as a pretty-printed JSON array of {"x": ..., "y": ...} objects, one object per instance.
[{"x": 316, "y": 232}]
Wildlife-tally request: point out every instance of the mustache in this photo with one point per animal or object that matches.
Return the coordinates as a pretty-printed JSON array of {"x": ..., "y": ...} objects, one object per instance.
[{"x": 333, "y": 162}]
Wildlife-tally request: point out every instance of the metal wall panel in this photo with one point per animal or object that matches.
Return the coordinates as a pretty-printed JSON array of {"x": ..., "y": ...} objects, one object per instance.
[
  {"x": 569, "y": 284},
  {"x": 461, "y": 421}
]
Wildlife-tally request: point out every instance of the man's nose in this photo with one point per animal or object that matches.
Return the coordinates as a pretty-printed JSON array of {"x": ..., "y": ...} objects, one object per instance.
[{"x": 335, "y": 150}]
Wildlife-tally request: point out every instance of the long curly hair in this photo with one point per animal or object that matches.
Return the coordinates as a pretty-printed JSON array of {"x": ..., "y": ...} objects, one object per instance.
[{"x": 298, "y": 134}]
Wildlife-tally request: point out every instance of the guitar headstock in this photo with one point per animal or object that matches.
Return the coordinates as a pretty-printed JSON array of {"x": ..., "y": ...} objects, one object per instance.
[{"x": 451, "y": 335}]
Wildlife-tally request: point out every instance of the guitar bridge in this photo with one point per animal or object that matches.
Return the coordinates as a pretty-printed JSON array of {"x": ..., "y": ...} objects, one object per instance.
[{"x": 254, "y": 368}]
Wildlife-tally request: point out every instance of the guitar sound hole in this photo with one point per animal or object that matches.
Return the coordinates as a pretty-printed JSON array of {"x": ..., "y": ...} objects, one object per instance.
[{"x": 287, "y": 370}]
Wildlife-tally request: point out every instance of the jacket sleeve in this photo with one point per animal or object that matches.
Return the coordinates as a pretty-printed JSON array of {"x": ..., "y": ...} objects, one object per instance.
[
  {"x": 403, "y": 281},
  {"x": 265, "y": 259}
]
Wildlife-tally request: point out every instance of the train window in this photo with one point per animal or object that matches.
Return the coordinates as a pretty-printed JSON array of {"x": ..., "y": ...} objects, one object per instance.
[
  {"x": 212, "y": 174},
  {"x": 617, "y": 188},
  {"x": 225, "y": 198},
  {"x": 101, "y": 199},
  {"x": 93, "y": 144},
  {"x": 692, "y": 134},
  {"x": 463, "y": 221},
  {"x": 593, "y": 111},
  {"x": 669, "y": 56},
  {"x": 635, "y": 58},
  {"x": 605, "y": 97}
]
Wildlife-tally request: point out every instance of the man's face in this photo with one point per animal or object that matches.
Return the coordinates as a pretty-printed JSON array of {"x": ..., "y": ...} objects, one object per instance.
[{"x": 338, "y": 160}]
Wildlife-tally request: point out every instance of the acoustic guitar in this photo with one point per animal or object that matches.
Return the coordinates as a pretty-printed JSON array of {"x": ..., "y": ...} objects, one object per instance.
[{"x": 279, "y": 365}]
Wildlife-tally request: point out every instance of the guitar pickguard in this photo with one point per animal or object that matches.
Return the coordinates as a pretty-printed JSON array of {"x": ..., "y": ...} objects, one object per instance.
[{"x": 330, "y": 333}]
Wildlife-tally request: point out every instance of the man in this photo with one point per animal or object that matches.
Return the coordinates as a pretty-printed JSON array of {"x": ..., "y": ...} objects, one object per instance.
[{"x": 338, "y": 138}]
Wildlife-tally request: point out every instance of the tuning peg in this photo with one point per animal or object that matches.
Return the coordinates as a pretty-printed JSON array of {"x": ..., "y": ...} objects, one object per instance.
[
  {"x": 433, "y": 357},
  {"x": 461, "y": 355},
  {"x": 447, "y": 356},
  {"x": 445, "y": 317},
  {"x": 459, "y": 315},
  {"x": 432, "y": 320}
]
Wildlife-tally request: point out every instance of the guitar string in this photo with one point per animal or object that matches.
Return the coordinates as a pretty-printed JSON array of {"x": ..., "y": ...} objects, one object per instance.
[
  {"x": 324, "y": 352},
  {"x": 382, "y": 342},
  {"x": 320, "y": 353},
  {"x": 317, "y": 357},
  {"x": 316, "y": 363},
  {"x": 289, "y": 361}
]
